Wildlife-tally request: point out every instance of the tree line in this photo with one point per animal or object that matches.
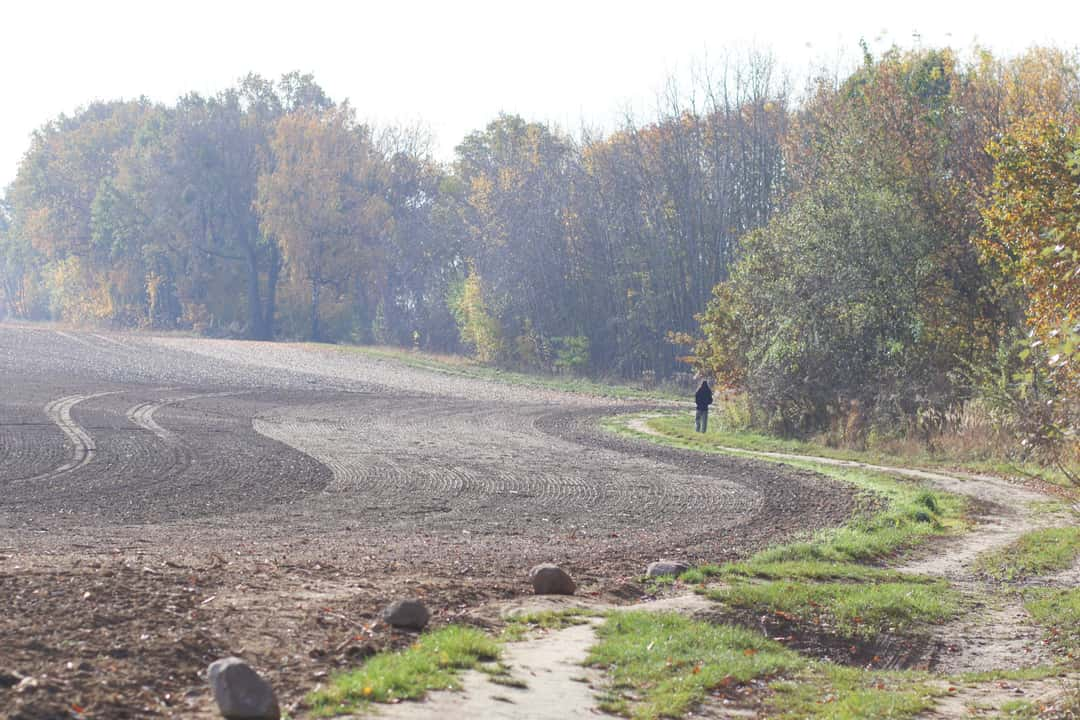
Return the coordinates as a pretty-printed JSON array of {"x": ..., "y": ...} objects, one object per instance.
[
  {"x": 925, "y": 257},
  {"x": 883, "y": 244},
  {"x": 269, "y": 211}
]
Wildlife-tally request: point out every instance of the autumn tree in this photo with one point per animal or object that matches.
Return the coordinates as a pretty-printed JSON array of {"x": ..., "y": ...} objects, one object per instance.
[
  {"x": 867, "y": 288},
  {"x": 12, "y": 267},
  {"x": 515, "y": 178},
  {"x": 1033, "y": 218},
  {"x": 660, "y": 208},
  {"x": 422, "y": 258},
  {"x": 69, "y": 163},
  {"x": 318, "y": 201}
]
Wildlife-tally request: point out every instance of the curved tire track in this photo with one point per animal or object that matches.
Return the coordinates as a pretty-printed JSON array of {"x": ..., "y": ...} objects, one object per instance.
[
  {"x": 143, "y": 415},
  {"x": 83, "y": 446}
]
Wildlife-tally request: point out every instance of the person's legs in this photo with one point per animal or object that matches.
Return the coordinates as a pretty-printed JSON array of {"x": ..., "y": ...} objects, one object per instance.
[
  {"x": 697, "y": 421},
  {"x": 704, "y": 419}
]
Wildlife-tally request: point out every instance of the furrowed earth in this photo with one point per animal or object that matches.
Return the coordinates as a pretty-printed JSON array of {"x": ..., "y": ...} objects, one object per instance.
[{"x": 166, "y": 501}]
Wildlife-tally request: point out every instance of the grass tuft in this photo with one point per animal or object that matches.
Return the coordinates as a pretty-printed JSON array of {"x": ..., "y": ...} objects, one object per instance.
[
  {"x": 1058, "y": 610},
  {"x": 1039, "y": 552},
  {"x": 842, "y": 693},
  {"x": 853, "y": 609},
  {"x": 700, "y": 574},
  {"x": 661, "y": 664},
  {"x": 815, "y": 570},
  {"x": 430, "y": 664},
  {"x": 518, "y": 626}
]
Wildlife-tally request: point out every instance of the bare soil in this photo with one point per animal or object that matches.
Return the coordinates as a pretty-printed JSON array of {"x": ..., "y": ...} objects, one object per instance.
[{"x": 165, "y": 501}]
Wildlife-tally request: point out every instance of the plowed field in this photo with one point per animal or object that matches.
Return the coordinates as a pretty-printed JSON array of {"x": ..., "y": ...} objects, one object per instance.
[{"x": 166, "y": 500}]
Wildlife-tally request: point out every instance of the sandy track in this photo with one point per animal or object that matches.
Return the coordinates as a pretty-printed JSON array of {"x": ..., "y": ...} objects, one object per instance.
[{"x": 218, "y": 462}]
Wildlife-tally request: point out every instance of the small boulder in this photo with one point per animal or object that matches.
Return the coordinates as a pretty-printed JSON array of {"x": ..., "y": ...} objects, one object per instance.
[
  {"x": 408, "y": 614},
  {"x": 666, "y": 567},
  {"x": 550, "y": 579},
  {"x": 240, "y": 693}
]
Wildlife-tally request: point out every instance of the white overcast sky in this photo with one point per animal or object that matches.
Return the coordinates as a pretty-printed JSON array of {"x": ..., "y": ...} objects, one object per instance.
[{"x": 454, "y": 65}]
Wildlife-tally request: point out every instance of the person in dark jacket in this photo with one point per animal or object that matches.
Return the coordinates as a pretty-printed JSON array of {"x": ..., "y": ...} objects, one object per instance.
[{"x": 703, "y": 399}]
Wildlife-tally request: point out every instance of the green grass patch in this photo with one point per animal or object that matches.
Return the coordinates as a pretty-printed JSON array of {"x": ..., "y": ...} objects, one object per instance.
[
  {"x": 1019, "y": 710},
  {"x": 1052, "y": 507},
  {"x": 853, "y": 609},
  {"x": 518, "y": 626},
  {"x": 843, "y": 693},
  {"x": 508, "y": 681},
  {"x": 465, "y": 367},
  {"x": 1058, "y": 611},
  {"x": 656, "y": 584},
  {"x": 813, "y": 570},
  {"x": 432, "y": 663},
  {"x": 681, "y": 425},
  {"x": 1036, "y": 553},
  {"x": 910, "y": 514},
  {"x": 662, "y": 664},
  {"x": 701, "y": 574}
]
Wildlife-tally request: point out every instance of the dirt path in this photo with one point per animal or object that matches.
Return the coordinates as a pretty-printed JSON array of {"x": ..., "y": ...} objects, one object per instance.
[
  {"x": 557, "y": 687},
  {"x": 996, "y": 632}
]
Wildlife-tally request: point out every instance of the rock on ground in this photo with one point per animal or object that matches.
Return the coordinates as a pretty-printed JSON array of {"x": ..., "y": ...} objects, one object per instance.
[
  {"x": 550, "y": 579},
  {"x": 240, "y": 693},
  {"x": 666, "y": 567},
  {"x": 410, "y": 614}
]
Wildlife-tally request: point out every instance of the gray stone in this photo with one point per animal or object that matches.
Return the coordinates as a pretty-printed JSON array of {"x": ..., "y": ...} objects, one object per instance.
[
  {"x": 666, "y": 567},
  {"x": 240, "y": 693},
  {"x": 550, "y": 579},
  {"x": 410, "y": 614}
]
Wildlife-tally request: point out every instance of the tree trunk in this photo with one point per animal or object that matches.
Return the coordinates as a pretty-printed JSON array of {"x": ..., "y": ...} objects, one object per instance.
[
  {"x": 315, "y": 289},
  {"x": 255, "y": 328},
  {"x": 270, "y": 308}
]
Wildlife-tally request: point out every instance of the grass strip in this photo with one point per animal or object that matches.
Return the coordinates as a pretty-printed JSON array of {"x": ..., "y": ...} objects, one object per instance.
[
  {"x": 852, "y": 609},
  {"x": 814, "y": 570},
  {"x": 518, "y": 626},
  {"x": 1057, "y": 610},
  {"x": 464, "y": 367},
  {"x": 908, "y": 515},
  {"x": 432, "y": 663},
  {"x": 1039, "y": 672},
  {"x": 682, "y": 426},
  {"x": 1036, "y": 553},
  {"x": 662, "y": 664},
  {"x": 836, "y": 692}
]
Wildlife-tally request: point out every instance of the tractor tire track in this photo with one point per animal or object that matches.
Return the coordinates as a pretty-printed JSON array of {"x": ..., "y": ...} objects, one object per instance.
[
  {"x": 83, "y": 447},
  {"x": 143, "y": 415}
]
